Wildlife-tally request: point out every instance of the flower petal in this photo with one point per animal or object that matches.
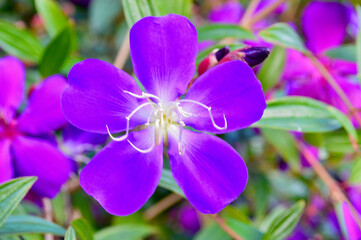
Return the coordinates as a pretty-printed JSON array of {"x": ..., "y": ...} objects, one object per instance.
[
  {"x": 210, "y": 172},
  {"x": 6, "y": 168},
  {"x": 12, "y": 82},
  {"x": 43, "y": 114},
  {"x": 95, "y": 97},
  {"x": 35, "y": 157},
  {"x": 163, "y": 51},
  {"x": 324, "y": 24},
  {"x": 230, "y": 12},
  {"x": 122, "y": 179},
  {"x": 230, "y": 89},
  {"x": 74, "y": 136},
  {"x": 353, "y": 230}
]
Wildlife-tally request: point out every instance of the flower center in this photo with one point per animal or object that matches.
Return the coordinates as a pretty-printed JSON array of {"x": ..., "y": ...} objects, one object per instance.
[
  {"x": 7, "y": 129},
  {"x": 162, "y": 116}
]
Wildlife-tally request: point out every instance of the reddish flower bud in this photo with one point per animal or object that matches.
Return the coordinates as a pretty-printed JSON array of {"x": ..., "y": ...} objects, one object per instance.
[
  {"x": 212, "y": 59},
  {"x": 251, "y": 55}
]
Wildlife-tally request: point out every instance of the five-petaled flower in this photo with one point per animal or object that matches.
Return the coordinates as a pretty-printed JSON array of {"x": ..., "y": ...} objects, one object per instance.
[
  {"x": 101, "y": 98},
  {"x": 27, "y": 144}
]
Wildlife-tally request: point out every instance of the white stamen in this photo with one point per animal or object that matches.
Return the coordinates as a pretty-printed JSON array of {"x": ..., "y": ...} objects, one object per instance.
[
  {"x": 125, "y": 136},
  {"x": 144, "y": 95},
  {"x": 210, "y": 113},
  {"x": 141, "y": 150}
]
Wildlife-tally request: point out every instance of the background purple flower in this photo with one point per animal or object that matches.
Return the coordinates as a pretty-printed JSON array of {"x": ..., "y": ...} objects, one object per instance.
[
  {"x": 25, "y": 149},
  {"x": 101, "y": 98},
  {"x": 352, "y": 227},
  {"x": 324, "y": 25}
]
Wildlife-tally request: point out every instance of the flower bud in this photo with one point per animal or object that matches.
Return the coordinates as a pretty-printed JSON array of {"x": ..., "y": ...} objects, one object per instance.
[
  {"x": 212, "y": 59},
  {"x": 251, "y": 55}
]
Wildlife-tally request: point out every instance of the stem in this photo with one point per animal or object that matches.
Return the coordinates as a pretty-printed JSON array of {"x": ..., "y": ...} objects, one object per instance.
[
  {"x": 265, "y": 12},
  {"x": 48, "y": 215},
  {"x": 330, "y": 79},
  {"x": 162, "y": 205},
  {"x": 247, "y": 17},
  {"x": 335, "y": 191},
  {"x": 123, "y": 53},
  {"x": 220, "y": 221}
]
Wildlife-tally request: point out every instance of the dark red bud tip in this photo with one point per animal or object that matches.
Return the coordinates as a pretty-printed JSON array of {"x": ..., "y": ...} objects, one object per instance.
[
  {"x": 255, "y": 55},
  {"x": 221, "y": 53}
]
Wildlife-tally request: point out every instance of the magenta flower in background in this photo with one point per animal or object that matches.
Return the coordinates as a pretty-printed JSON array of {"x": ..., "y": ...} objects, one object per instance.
[
  {"x": 27, "y": 145},
  {"x": 353, "y": 229},
  {"x": 324, "y": 25},
  {"x": 103, "y": 99}
]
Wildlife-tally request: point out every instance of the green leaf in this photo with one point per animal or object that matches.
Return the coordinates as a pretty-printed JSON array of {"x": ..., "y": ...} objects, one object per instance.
[
  {"x": 125, "y": 232},
  {"x": 54, "y": 18},
  {"x": 246, "y": 231},
  {"x": 358, "y": 42},
  {"x": 70, "y": 234},
  {"x": 167, "y": 181},
  {"x": 19, "y": 43},
  {"x": 212, "y": 231},
  {"x": 58, "y": 206},
  {"x": 343, "y": 120},
  {"x": 134, "y": 10},
  {"x": 11, "y": 194},
  {"x": 284, "y": 224},
  {"x": 22, "y": 224},
  {"x": 235, "y": 213},
  {"x": 55, "y": 53},
  {"x": 285, "y": 145},
  {"x": 345, "y": 52},
  {"x": 338, "y": 142},
  {"x": 355, "y": 177},
  {"x": 102, "y": 14},
  {"x": 271, "y": 69},
  {"x": 82, "y": 229},
  {"x": 220, "y": 31},
  {"x": 298, "y": 114},
  {"x": 180, "y": 7},
  {"x": 282, "y": 34}
]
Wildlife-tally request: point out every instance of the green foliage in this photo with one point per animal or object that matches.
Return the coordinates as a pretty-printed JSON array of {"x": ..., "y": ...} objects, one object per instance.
[
  {"x": 180, "y": 7},
  {"x": 134, "y": 10},
  {"x": 70, "y": 234},
  {"x": 23, "y": 224},
  {"x": 272, "y": 68},
  {"x": 11, "y": 194},
  {"x": 285, "y": 222},
  {"x": 282, "y": 34},
  {"x": 83, "y": 229},
  {"x": 125, "y": 232},
  {"x": 355, "y": 177},
  {"x": 167, "y": 181},
  {"x": 102, "y": 14},
  {"x": 52, "y": 15},
  {"x": 345, "y": 52},
  {"x": 285, "y": 145},
  {"x": 298, "y": 114},
  {"x": 19, "y": 42},
  {"x": 220, "y": 31},
  {"x": 212, "y": 231},
  {"x": 55, "y": 53}
]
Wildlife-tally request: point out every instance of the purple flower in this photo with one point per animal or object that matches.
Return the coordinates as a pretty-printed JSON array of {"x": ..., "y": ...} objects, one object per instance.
[
  {"x": 353, "y": 229},
  {"x": 26, "y": 142},
  {"x": 230, "y": 12},
  {"x": 101, "y": 98},
  {"x": 77, "y": 142},
  {"x": 324, "y": 25}
]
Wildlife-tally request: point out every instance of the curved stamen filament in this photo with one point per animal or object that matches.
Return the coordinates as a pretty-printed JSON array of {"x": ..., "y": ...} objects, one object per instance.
[
  {"x": 125, "y": 136},
  {"x": 210, "y": 113},
  {"x": 141, "y": 150},
  {"x": 144, "y": 95}
]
